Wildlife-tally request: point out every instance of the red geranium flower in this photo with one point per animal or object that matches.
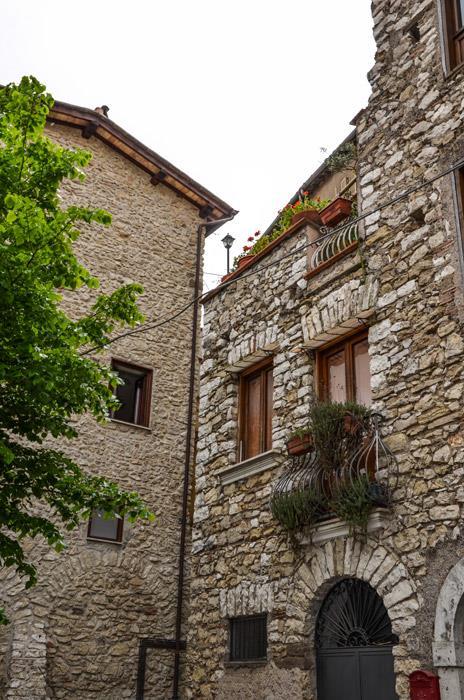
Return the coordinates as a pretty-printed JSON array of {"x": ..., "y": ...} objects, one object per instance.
[
  {"x": 250, "y": 238},
  {"x": 246, "y": 247}
]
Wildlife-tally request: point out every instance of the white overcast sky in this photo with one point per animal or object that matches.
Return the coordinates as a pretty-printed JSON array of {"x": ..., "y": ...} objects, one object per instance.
[{"x": 240, "y": 94}]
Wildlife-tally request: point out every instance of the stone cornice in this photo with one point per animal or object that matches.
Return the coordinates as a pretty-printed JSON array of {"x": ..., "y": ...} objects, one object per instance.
[
  {"x": 333, "y": 528},
  {"x": 250, "y": 467}
]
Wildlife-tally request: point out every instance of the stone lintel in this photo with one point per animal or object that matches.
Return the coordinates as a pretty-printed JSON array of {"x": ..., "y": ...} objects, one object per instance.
[
  {"x": 339, "y": 331},
  {"x": 256, "y": 354},
  {"x": 250, "y": 467}
]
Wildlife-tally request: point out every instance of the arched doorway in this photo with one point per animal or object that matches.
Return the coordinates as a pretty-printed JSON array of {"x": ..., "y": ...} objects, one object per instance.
[
  {"x": 354, "y": 645},
  {"x": 448, "y": 644}
]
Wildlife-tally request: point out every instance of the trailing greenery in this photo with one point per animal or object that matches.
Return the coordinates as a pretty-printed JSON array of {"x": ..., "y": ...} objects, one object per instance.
[
  {"x": 304, "y": 203},
  {"x": 337, "y": 430},
  {"x": 46, "y": 376},
  {"x": 297, "y": 508},
  {"x": 353, "y": 503},
  {"x": 332, "y": 442},
  {"x": 343, "y": 157}
]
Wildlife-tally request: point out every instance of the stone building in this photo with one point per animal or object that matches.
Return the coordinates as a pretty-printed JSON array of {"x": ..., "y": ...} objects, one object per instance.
[
  {"x": 115, "y": 591},
  {"x": 373, "y": 311}
]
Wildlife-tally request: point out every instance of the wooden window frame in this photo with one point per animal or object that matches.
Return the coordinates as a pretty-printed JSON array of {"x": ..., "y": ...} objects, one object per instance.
[
  {"x": 460, "y": 186},
  {"x": 261, "y": 368},
  {"x": 342, "y": 343},
  {"x": 119, "y": 532},
  {"x": 237, "y": 626},
  {"x": 144, "y": 409},
  {"x": 454, "y": 33}
]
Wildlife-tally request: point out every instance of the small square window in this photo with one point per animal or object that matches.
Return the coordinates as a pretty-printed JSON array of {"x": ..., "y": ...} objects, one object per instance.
[
  {"x": 101, "y": 528},
  {"x": 134, "y": 394},
  {"x": 248, "y": 638}
]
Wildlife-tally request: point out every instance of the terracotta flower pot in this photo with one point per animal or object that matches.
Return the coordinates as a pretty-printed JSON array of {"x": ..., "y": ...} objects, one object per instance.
[
  {"x": 351, "y": 425},
  {"x": 243, "y": 262},
  {"x": 336, "y": 211},
  {"x": 300, "y": 445},
  {"x": 310, "y": 215}
]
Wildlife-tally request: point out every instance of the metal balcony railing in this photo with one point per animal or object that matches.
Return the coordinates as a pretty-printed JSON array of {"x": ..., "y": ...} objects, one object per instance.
[
  {"x": 312, "y": 481},
  {"x": 332, "y": 245}
]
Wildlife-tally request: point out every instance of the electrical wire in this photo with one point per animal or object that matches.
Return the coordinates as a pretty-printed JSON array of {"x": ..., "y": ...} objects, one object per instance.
[{"x": 256, "y": 270}]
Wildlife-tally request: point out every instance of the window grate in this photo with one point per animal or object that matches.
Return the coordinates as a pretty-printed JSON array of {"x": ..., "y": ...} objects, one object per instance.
[{"x": 248, "y": 638}]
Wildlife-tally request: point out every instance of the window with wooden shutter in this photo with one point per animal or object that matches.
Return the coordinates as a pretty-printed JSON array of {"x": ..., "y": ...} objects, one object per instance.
[
  {"x": 134, "y": 393},
  {"x": 453, "y": 11},
  {"x": 256, "y": 388},
  {"x": 344, "y": 372}
]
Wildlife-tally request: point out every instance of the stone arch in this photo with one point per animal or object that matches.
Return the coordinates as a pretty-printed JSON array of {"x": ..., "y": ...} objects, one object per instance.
[
  {"x": 369, "y": 561},
  {"x": 448, "y": 644},
  {"x": 63, "y": 607}
]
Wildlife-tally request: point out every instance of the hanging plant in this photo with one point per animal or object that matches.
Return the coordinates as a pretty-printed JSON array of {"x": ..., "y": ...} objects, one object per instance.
[
  {"x": 295, "y": 509},
  {"x": 353, "y": 503},
  {"x": 337, "y": 431}
]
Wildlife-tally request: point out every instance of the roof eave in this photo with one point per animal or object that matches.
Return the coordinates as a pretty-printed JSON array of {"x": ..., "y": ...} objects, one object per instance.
[{"x": 162, "y": 171}]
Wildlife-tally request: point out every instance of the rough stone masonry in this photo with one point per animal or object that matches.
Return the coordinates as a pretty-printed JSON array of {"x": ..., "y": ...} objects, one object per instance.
[
  {"x": 76, "y": 634},
  {"x": 405, "y": 284}
]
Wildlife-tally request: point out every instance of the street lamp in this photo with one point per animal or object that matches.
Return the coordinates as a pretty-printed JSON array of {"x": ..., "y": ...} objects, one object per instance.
[{"x": 228, "y": 241}]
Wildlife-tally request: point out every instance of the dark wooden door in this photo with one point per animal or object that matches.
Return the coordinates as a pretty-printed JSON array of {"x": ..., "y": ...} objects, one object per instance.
[
  {"x": 360, "y": 673},
  {"x": 354, "y": 643}
]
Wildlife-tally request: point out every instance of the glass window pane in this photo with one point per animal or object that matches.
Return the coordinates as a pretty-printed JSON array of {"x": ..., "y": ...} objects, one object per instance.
[
  {"x": 362, "y": 373},
  {"x": 460, "y": 4},
  {"x": 129, "y": 394},
  {"x": 336, "y": 376},
  {"x": 103, "y": 529}
]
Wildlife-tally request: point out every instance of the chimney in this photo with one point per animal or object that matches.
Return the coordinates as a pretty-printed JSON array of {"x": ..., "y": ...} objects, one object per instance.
[{"x": 104, "y": 109}]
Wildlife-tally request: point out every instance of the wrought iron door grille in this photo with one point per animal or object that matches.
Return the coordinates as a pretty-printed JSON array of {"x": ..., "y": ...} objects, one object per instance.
[
  {"x": 353, "y": 615},
  {"x": 248, "y": 638}
]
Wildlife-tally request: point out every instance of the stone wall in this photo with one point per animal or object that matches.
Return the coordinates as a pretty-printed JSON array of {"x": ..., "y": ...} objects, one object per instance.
[
  {"x": 76, "y": 634},
  {"x": 405, "y": 284}
]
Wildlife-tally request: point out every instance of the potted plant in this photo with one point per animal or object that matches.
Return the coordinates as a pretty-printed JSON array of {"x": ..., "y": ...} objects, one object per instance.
[
  {"x": 244, "y": 258},
  {"x": 304, "y": 208},
  {"x": 300, "y": 442},
  {"x": 339, "y": 209}
]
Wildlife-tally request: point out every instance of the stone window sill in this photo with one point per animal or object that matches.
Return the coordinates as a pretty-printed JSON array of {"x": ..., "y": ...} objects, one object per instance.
[
  {"x": 131, "y": 425},
  {"x": 103, "y": 541},
  {"x": 245, "y": 664},
  {"x": 449, "y": 75},
  {"x": 333, "y": 528},
  {"x": 250, "y": 467}
]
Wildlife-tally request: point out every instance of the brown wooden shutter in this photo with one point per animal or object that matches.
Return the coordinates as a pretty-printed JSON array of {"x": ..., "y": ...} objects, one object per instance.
[
  {"x": 255, "y": 417},
  {"x": 343, "y": 371}
]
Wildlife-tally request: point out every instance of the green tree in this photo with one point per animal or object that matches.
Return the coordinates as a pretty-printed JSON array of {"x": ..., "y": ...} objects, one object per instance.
[{"x": 46, "y": 376}]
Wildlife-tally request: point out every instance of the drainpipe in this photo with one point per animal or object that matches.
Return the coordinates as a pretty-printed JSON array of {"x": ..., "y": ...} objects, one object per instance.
[{"x": 188, "y": 451}]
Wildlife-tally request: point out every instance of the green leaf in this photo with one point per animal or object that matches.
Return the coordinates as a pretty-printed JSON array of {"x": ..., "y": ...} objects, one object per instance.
[{"x": 46, "y": 379}]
